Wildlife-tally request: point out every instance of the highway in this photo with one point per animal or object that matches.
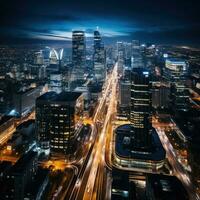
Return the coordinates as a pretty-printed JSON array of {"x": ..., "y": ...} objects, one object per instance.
[
  {"x": 179, "y": 171},
  {"x": 93, "y": 166},
  {"x": 93, "y": 181},
  {"x": 6, "y": 135},
  {"x": 97, "y": 170}
]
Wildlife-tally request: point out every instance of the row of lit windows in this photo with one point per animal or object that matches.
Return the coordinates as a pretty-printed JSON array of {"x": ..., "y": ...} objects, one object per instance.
[
  {"x": 57, "y": 147},
  {"x": 57, "y": 142}
]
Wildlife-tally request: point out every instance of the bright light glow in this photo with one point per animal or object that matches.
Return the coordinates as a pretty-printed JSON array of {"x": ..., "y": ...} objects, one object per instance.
[{"x": 146, "y": 73}]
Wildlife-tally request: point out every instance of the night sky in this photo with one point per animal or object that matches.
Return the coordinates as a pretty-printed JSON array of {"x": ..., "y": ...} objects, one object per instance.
[{"x": 159, "y": 21}]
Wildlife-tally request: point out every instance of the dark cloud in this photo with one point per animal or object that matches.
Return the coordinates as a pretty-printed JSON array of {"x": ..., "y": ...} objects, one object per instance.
[
  {"x": 175, "y": 36},
  {"x": 156, "y": 20}
]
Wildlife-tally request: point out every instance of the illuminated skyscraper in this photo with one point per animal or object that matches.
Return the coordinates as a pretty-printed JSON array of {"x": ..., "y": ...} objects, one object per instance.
[
  {"x": 55, "y": 120},
  {"x": 46, "y": 53},
  {"x": 176, "y": 71},
  {"x": 39, "y": 58},
  {"x": 124, "y": 93},
  {"x": 99, "y": 57},
  {"x": 141, "y": 107},
  {"x": 137, "y": 145},
  {"x": 120, "y": 51},
  {"x": 136, "y": 59},
  {"x": 124, "y": 98},
  {"x": 78, "y": 54}
]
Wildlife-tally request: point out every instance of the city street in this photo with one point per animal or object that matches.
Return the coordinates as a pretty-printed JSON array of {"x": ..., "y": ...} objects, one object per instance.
[{"x": 98, "y": 161}]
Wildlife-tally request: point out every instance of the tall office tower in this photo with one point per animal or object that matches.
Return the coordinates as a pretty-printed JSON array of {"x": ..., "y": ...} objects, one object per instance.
[
  {"x": 78, "y": 54},
  {"x": 42, "y": 72},
  {"x": 141, "y": 107},
  {"x": 99, "y": 57},
  {"x": 124, "y": 93},
  {"x": 176, "y": 71},
  {"x": 136, "y": 59},
  {"x": 39, "y": 58},
  {"x": 137, "y": 144},
  {"x": 120, "y": 51},
  {"x": 124, "y": 98},
  {"x": 60, "y": 58},
  {"x": 66, "y": 79},
  {"x": 56, "y": 82},
  {"x": 160, "y": 96},
  {"x": 46, "y": 53},
  {"x": 55, "y": 120},
  {"x": 127, "y": 54}
]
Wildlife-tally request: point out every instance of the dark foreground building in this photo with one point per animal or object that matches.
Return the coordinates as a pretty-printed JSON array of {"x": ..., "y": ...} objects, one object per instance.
[
  {"x": 161, "y": 187},
  {"x": 23, "y": 180},
  {"x": 56, "y": 118},
  {"x": 141, "y": 107}
]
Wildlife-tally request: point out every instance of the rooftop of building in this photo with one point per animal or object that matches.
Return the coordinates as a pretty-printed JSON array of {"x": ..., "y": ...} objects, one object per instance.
[
  {"x": 78, "y": 31},
  {"x": 141, "y": 70},
  {"x": 53, "y": 67},
  {"x": 77, "y": 83},
  {"x": 28, "y": 90},
  {"x": 156, "y": 153},
  {"x": 63, "y": 96},
  {"x": 175, "y": 60},
  {"x": 166, "y": 187},
  {"x": 95, "y": 88}
]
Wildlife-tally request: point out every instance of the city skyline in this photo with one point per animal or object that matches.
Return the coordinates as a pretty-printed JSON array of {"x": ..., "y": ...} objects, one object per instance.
[{"x": 99, "y": 100}]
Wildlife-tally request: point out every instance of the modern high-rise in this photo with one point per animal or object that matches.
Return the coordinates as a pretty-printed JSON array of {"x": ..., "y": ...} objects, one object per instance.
[
  {"x": 39, "y": 58},
  {"x": 124, "y": 93},
  {"x": 136, "y": 59},
  {"x": 124, "y": 98},
  {"x": 160, "y": 96},
  {"x": 56, "y": 116},
  {"x": 140, "y": 113},
  {"x": 99, "y": 57},
  {"x": 78, "y": 54},
  {"x": 56, "y": 82},
  {"x": 137, "y": 145},
  {"x": 175, "y": 69},
  {"x": 175, "y": 72},
  {"x": 120, "y": 51}
]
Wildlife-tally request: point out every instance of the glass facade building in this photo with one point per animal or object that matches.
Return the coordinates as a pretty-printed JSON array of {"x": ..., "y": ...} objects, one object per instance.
[
  {"x": 99, "y": 57},
  {"x": 55, "y": 120},
  {"x": 78, "y": 54},
  {"x": 141, "y": 107}
]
